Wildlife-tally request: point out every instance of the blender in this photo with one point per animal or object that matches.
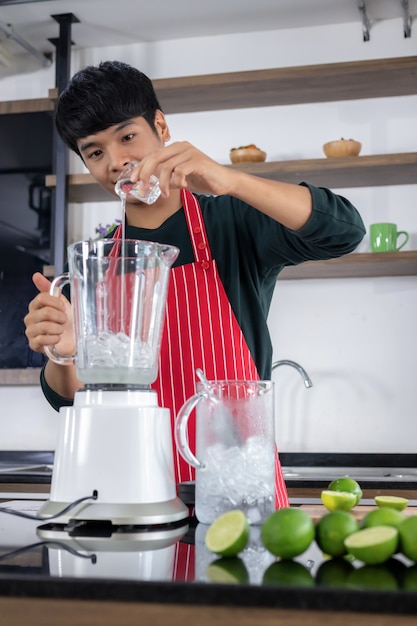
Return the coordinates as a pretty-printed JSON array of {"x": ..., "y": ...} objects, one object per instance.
[{"x": 113, "y": 463}]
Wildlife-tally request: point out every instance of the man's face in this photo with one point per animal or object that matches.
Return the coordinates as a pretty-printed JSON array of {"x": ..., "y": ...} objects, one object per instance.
[{"x": 106, "y": 152}]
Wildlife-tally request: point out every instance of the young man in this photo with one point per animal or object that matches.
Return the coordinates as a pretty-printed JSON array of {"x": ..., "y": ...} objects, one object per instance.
[{"x": 233, "y": 240}]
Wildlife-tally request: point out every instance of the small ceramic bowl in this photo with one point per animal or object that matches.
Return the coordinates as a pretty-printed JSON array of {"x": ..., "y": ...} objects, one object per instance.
[
  {"x": 342, "y": 148},
  {"x": 247, "y": 154}
]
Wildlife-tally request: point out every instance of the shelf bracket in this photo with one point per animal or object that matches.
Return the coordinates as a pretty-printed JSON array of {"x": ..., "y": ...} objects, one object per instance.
[
  {"x": 406, "y": 18},
  {"x": 366, "y": 24},
  {"x": 8, "y": 30},
  {"x": 62, "y": 74}
]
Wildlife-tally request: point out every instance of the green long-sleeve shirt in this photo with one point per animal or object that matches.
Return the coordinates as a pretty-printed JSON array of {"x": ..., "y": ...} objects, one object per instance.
[{"x": 250, "y": 250}]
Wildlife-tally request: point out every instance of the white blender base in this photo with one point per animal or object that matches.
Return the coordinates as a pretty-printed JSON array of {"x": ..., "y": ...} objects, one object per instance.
[
  {"x": 117, "y": 514},
  {"x": 117, "y": 444}
]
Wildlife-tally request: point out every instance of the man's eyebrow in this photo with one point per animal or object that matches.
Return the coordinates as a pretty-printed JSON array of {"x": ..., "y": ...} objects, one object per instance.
[
  {"x": 117, "y": 127},
  {"x": 87, "y": 145}
]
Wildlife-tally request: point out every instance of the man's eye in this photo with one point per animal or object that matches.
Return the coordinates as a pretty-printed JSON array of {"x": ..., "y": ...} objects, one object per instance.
[
  {"x": 128, "y": 137},
  {"x": 95, "y": 154}
]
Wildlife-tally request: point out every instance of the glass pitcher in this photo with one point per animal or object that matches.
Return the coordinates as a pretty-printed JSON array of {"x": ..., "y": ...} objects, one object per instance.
[
  {"x": 235, "y": 448},
  {"x": 118, "y": 296}
]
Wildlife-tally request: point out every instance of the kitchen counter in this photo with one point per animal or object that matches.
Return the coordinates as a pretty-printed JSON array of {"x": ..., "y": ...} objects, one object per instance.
[
  {"x": 44, "y": 578},
  {"x": 155, "y": 579}
]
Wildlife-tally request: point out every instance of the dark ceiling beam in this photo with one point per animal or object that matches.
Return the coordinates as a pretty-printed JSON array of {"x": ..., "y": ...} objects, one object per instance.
[{"x": 10, "y": 2}]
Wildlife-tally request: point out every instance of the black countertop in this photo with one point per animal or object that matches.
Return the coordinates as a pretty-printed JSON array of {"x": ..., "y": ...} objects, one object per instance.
[{"x": 152, "y": 566}]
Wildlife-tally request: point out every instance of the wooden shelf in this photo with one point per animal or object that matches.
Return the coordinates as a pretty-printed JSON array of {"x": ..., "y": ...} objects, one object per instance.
[
  {"x": 36, "y": 105},
  {"x": 330, "y": 82},
  {"x": 356, "y": 265},
  {"x": 12, "y": 377},
  {"x": 361, "y": 171}
]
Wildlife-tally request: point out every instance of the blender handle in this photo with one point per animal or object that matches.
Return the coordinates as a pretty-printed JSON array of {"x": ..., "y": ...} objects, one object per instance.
[
  {"x": 181, "y": 432},
  {"x": 51, "y": 352}
]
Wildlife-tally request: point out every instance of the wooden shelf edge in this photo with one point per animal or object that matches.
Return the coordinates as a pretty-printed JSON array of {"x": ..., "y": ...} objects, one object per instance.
[
  {"x": 356, "y": 265},
  {"x": 350, "y": 80},
  {"x": 36, "y": 105},
  {"x": 14, "y": 377},
  {"x": 361, "y": 171}
]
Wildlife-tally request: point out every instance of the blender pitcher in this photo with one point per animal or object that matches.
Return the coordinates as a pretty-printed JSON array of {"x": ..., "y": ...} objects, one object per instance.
[
  {"x": 114, "y": 443},
  {"x": 118, "y": 293}
]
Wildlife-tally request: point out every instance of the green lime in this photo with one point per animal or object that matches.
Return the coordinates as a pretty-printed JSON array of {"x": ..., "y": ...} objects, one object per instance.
[
  {"x": 332, "y": 530},
  {"x": 409, "y": 581},
  {"x": 287, "y": 532},
  {"x": 346, "y": 484},
  {"x": 228, "y": 534},
  {"x": 408, "y": 537},
  {"x": 392, "y": 502},
  {"x": 338, "y": 500},
  {"x": 334, "y": 572},
  {"x": 397, "y": 569},
  {"x": 231, "y": 570},
  {"x": 373, "y": 545},
  {"x": 288, "y": 573},
  {"x": 383, "y": 517},
  {"x": 376, "y": 577}
]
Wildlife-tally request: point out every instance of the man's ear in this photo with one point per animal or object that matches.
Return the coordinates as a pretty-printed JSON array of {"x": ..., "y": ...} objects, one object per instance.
[{"x": 162, "y": 126}]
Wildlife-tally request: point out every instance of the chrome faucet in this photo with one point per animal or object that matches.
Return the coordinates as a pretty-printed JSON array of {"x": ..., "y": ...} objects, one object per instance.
[{"x": 301, "y": 370}]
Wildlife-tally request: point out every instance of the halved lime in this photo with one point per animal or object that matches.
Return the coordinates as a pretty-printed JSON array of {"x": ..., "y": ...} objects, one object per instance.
[
  {"x": 338, "y": 500},
  {"x": 392, "y": 502},
  {"x": 369, "y": 577},
  {"x": 332, "y": 530},
  {"x": 287, "y": 532},
  {"x": 345, "y": 483},
  {"x": 228, "y": 534},
  {"x": 231, "y": 571},
  {"x": 408, "y": 537},
  {"x": 383, "y": 517},
  {"x": 373, "y": 545}
]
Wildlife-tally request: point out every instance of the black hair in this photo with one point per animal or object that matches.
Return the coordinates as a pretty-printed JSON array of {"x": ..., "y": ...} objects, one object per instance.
[{"x": 98, "y": 97}]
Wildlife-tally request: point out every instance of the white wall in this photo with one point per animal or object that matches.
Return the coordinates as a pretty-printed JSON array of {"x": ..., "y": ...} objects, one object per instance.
[{"x": 355, "y": 337}]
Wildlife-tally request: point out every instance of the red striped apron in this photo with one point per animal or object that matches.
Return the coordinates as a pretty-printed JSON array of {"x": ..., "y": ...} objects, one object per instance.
[{"x": 200, "y": 331}]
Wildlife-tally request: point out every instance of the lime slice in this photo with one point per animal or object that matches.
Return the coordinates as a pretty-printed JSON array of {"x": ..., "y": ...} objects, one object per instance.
[
  {"x": 392, "y": 502},
  {"x": 287, "y": 532},
  {"x": 408, "y": 537},
  {"x": 383, "y": 517},
  {"x": 229, "y": 571},
  {"x": 332, "y": 530},
  {"x": 373, "y": 545},
  {"x": 228, "y": 534},
  {"x": 346, "y": 484},
  {"x": 338, "y": 500}
]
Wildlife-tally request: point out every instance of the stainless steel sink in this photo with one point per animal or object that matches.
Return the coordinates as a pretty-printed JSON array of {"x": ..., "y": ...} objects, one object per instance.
[
  {"x": 26, "y": 470},
  {"x": 380, "y": 474}
]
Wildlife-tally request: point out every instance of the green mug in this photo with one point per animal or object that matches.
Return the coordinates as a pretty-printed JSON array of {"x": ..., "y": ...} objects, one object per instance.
[{"x": 384, "y": 237}]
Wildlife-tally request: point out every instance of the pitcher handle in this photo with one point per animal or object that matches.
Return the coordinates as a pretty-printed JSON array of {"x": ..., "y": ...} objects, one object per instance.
[
  {"x": 51, "y": 352},
  {"x": 181, "y": 429}
]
